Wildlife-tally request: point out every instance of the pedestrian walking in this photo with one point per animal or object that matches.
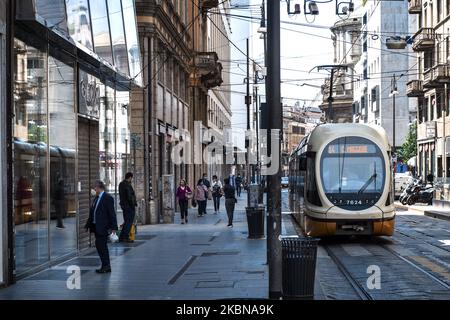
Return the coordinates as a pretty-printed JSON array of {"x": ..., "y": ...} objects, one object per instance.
[
  {"x": 200, "y": 196},
  {"x": 184, "y": 193},
  {"x": 208, "y": 193},
  {"x": 230, "y": 200},
  {"x": 238, "y": 182},
  {"x": 216, "y": 193},
  {"x": 128, "y": 204},
  {"x": 102, "y": 222}
]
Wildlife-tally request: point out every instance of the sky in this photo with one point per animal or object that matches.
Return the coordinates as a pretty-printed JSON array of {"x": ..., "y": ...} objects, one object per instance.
[{"x": 303, "y": 47}]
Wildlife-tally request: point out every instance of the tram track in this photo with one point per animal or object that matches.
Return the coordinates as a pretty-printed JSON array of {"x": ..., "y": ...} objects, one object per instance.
[{"x": 361, "y": 291}]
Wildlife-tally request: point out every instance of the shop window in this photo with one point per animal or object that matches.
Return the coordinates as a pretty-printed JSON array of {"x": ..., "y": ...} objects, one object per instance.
[
  {"x": 53, "y": 11},
  {"x": 30, "y": 157}
]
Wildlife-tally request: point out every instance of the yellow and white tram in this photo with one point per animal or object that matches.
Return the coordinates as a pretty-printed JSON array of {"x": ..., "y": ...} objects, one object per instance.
[{"x": 341, "y": 181}]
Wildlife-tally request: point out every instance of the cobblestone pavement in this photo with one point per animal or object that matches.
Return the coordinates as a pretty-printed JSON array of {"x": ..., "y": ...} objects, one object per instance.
[{"x": 413, "y": 264}]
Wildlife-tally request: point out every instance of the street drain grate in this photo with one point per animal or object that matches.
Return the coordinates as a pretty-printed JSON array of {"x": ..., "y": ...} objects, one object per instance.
[
  {"x": 200, "y": 244},
  {"x": 134, "y": 244},
  {"x": 220, "y": 253},
  {"x": 58, "y": 275},
  {"x": 215, "y": 284}
]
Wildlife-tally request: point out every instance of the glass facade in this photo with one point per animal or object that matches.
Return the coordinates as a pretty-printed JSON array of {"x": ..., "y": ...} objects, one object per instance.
[
  {"x": 79, "y": 22},
  {"x": 118, "y": 36},
  {"x": 100, "y": 29},
  {"x": 99, "y": 26},
  {"x": 31, "y": 165}
]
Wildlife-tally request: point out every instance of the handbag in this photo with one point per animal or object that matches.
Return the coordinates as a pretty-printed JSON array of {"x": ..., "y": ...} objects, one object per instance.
[
  {"x": 189, "y": 195},
  {"x": 113, "y": 237},
  {"x": 194, "y": 203},
  {"x": 209, "y": 195}
]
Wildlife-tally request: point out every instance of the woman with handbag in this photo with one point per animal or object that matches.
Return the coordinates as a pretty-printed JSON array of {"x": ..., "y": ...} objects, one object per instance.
[
  {"x": 230, "y": 200},
  {"x": 184, "y": 193},
  {"x": 216, "y": 193},
  {"x": 200, "y": 197}
]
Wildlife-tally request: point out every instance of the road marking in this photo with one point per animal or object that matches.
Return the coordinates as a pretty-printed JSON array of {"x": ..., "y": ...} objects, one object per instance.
[{"x": 355, "y": 250}]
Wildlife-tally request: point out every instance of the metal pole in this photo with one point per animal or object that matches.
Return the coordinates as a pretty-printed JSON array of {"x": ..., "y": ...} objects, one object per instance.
[
  {"x": 273, "y": 92},
  {"x": 330, "y": 98},
  {"x": 444, "y": 138},
  {"x": 248, "y": 103},
  {"x": 394, "y": 89}
]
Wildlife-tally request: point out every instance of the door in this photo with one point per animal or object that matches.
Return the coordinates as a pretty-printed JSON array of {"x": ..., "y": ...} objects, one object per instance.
[{"x": 88, "y": 172}]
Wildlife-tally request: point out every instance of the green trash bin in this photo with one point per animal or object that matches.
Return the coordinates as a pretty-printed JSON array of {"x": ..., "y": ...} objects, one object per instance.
[{"x": 299, "y": 266}]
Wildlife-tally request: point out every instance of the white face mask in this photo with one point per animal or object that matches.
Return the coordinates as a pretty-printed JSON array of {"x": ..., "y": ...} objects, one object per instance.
[{"x": 93, "y": 192}]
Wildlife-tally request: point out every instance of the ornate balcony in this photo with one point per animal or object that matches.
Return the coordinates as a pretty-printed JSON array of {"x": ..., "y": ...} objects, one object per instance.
[
  {"x": 207, "y": 70},
  {"x": 414, "y": 88},
  {"x": 414, "y": 6},
  {"x": 424, "y": 39},
  {"x": 428, "y": 79},
  {"x": 210, "y": 4},
  {"x": 441, "y": 73}
]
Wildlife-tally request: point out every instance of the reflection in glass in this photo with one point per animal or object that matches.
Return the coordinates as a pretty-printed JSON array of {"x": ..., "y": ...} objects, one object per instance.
[
  {"x": 79, "y": 22},
  {"x": 61, "y": 103},
  {"x": 134, "y": 54},
  {"x": 118, "y": 36},
  {"x": 54, "y": 12},
  {"x": 107, "y": 145},
  {"x": 123, "y": 134},
  {"x": 100, "y": 29},
  {"x": 30, "y": 156}
]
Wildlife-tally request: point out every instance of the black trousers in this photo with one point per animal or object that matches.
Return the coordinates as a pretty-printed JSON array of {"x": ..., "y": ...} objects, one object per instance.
[
  {"x": 238, "y": 190},
  {"x": 216, "y": 200},
  {"x": 183, "y": 208},
  {"x": 229, "y": 206},
  {"x": 201, "y": 207},
  {"x": 128, "y": 219},
  {"x": 60, "y": 207},
  {"x": 101, "y": 243}
]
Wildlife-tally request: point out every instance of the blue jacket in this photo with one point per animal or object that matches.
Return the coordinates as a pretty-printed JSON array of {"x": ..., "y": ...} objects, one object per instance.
[{"x": 105, "y": 216}]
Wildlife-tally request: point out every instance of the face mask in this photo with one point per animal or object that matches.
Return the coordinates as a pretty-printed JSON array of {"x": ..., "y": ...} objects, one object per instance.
[{"x": 93, "y": 193}]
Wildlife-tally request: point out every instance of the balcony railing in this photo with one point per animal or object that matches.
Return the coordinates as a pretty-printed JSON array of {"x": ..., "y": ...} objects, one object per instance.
[
  {"x": 427, "y": 79},
  {"x": 424, "y": 39},
  {"x": 441, "y": 73},
  {"x": 414, "y": 6},
  {"x": 209, "y": 4},
  {"x": 414, "y": 88}
]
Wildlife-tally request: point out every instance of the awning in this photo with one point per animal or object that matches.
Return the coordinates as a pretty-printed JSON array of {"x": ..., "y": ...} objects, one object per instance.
[{"x": 412, "y": 162}]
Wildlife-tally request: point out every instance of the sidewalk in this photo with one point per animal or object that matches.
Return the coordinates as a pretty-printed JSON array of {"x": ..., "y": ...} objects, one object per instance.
[
  {"x": 436, "y": 212},
  {"x": 201, "y": 260}
]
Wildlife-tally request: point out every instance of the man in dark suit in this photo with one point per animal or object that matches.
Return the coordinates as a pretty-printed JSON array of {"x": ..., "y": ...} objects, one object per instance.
[
  {"x": 102, "y": 222},
  {"x": 128, "y": 204}
]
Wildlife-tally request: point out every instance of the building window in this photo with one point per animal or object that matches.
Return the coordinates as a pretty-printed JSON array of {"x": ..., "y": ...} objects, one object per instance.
[{"x": 439, "y": 10}]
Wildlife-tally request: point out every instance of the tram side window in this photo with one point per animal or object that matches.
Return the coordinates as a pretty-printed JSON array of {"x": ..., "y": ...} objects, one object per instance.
[{"x": 312, "y": 194}]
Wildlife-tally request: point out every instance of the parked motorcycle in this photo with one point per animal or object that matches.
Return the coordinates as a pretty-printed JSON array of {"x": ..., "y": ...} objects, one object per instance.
[
  {"x": 408, "y": 191},
  {"x": 421, "y": 193}
]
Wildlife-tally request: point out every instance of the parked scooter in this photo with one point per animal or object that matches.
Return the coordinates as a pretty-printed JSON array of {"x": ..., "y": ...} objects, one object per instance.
[
  {"x": 409, "y": 190},
  {"x": 421, "y": 193}
]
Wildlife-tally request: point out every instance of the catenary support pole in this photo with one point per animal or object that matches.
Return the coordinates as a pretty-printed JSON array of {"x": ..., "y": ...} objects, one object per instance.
[{"x": 273, "y": 92}]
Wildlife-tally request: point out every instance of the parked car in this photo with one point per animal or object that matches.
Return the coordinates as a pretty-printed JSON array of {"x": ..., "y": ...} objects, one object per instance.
[{"x": 284, "y": 182}]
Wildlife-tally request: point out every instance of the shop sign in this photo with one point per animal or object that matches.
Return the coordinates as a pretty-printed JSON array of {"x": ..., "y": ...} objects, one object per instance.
[
  {"x": 89, "y": 95},
  {"x": 431, "y": 129}
]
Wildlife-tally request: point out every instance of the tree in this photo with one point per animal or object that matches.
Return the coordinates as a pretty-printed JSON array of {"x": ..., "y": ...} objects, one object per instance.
[{"x": 409, "y": 148}]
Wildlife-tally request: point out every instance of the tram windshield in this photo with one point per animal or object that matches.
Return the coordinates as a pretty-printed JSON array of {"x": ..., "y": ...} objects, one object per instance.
[{"x": 353, "y": 172}]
